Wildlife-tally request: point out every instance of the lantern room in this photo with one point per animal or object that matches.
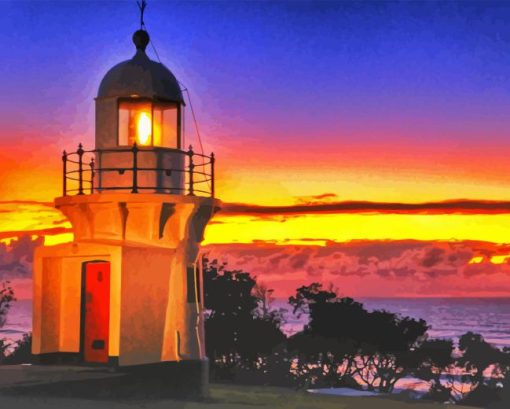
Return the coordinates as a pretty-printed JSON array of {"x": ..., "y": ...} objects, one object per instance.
[
  {"x": 140, "y": 105},
  {"x": 139, "y": 101}
]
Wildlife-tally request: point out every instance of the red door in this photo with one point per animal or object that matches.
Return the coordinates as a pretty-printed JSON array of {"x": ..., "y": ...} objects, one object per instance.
[{"x": 96, "y": 311}]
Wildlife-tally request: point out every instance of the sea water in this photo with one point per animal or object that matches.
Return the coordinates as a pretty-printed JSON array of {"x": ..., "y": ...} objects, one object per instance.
[{"x": 447, "y": 317}]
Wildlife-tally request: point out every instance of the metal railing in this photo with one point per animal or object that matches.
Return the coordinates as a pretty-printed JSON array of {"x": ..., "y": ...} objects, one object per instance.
[{"x": 81, "y": 175}]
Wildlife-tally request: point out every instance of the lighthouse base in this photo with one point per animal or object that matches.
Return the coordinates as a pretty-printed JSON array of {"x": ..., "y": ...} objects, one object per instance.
[
  {"x": 128, "y": 287},
  {"x": 167, "y": 379}
]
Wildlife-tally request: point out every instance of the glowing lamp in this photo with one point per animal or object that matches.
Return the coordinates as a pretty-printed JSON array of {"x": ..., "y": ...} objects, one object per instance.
[
  {"x": 149, "y": 123},
  {"x": 144, "y": 129}
]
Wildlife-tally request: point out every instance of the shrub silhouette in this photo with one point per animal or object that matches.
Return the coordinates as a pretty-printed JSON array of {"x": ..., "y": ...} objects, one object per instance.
[
  {"x": 343, "y": 341},
  {"x": 241, "y": 330},
  {"x": 6, "y": 300},
  {"x": 343, "y": 344},
  {"x": 22, "y": 353},
  {"x": 482, "y": 367},
  {"x": 435, "y": 359}
]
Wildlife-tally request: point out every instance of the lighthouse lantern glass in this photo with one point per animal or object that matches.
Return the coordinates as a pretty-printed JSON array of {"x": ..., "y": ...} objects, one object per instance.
[
  {"x": 135, "y": 123},
  {"x": 166, "y": 125},
  {"x": 148, "y": 123}
]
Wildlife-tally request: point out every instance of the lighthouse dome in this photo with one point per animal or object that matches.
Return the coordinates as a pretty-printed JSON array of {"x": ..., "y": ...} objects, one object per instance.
[{"x": 140, "y": 76}]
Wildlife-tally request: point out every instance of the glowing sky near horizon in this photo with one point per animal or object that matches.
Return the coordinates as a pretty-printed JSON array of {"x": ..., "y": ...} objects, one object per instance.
[{"x": 375, "y": 101}]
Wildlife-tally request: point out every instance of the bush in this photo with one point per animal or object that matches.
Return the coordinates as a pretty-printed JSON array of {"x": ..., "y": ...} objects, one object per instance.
[
  {"x": 22, "y": 353},
  {"x": 343, "y": 344},
  {"x": 242, "y": 331}
]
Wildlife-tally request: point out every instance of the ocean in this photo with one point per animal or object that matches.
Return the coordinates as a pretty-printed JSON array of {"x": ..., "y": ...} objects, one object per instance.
[{"x": 448, "y": 317}]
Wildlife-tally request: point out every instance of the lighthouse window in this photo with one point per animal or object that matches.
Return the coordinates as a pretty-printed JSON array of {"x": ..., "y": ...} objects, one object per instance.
[
  {"x": 149, "y": 124},
  {"x": 135, "y": 123},
  {"x": 166, "y": 125}
]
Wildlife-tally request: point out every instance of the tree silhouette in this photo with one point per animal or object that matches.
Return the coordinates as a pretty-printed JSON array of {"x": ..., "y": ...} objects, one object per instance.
[
  {"x": 240, "y": 336},
  {"x": 343, "y": 344},
  {"x": 324, "y": 357},
  {"x": 310, "y": 294},
  {"x": 343, "y": 340},
  {"x": 436, "y": 359},
  {"x": 388, "y": 348},
  {"x": 22, "y": 352},
  {"x": 6, "y": 300},
  {"x": 482, "y": 366}
]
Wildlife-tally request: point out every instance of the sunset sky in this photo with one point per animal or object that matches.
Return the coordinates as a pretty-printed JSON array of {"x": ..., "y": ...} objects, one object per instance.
[{"x": 306, "y": 104}]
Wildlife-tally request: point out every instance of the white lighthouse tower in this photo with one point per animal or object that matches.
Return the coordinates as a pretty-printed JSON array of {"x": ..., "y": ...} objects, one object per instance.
[{"x": 127, "y": 291}]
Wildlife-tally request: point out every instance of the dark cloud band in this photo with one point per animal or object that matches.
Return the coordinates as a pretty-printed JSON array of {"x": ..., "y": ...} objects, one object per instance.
[{"x": 461, "y": 206}]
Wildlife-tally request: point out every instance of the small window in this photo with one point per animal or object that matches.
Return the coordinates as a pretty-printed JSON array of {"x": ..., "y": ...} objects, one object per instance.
[
  {"x": 149, "y": 124},
  {"x": 166, "y": 125},
  {"x": 135, "y": 123}
]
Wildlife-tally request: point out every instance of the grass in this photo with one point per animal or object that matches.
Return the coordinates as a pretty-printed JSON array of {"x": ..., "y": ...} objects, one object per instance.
[
  {"x": 244, "y": 397},
  {"x": 221, "y": 397}
]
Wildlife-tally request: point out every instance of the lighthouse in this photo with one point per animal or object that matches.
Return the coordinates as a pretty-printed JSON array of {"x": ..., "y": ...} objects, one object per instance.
[{"x": 127, "y": 291}]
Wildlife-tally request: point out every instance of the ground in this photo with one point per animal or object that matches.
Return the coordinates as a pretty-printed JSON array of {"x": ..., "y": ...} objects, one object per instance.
[{"x": 22, "y": 388}]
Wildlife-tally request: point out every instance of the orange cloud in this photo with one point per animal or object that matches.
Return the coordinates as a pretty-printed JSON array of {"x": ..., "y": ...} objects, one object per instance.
[{"x": 375, "y": 268}]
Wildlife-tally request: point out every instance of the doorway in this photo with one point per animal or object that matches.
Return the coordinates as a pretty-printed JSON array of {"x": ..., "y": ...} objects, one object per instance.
[{"x": 95, "y": 311}]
